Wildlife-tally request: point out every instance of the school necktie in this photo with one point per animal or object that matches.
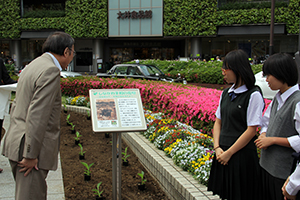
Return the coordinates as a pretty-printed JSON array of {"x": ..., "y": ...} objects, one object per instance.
[{"x": 232, "y": 95}]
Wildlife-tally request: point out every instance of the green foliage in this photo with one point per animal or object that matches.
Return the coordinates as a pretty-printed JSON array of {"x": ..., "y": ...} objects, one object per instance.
[
  {"x": 189, "y": 17},
  {"x": 194, "y": 71},
  {"x": 256, "y": 68},
  {"x": 194, "y": 18},
  {"x": 10, "y": 16},
  {"x": 44, "y": 13},
  {"x": 14, "y": 77},
  {"x": 68, "y": 117},
  {"x": 251, "y": 5},
  {"x": 77, "y": 136},
  {"x": 65, "y": 106},
  {"x": 97, "y": 191},
  {"x": 125, "y": 155},
  {"x": 143, "y": 181},
  {"x": 89, "y": 18},
  {"x": 10, "y": 69},
  {"x": 81, "y": 150},
  {"x": 83, "y": 19},
  {"x": 87, "y": 170},
  {"x": 73, "y": 126}
]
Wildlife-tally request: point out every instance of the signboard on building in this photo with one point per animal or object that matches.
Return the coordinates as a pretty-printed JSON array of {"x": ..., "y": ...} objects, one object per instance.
[
  {"x": 135, "y": 18},
  {"x": 117, "y": 110}
]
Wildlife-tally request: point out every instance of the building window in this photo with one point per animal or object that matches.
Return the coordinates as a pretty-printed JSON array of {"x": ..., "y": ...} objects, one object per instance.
[
  {"x": 42, "y": 8},
  {"x": 249, "y": 4}
]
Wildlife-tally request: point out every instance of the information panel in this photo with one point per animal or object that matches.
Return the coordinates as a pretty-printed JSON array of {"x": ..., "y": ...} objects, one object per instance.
[{"x": 117, "y": 110}]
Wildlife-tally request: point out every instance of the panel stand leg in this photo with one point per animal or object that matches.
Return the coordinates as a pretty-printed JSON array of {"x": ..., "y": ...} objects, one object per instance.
[{"x": 116, "y": 165}]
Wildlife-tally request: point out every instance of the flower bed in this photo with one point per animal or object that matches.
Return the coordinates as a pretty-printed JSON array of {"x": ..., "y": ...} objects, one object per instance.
[
  {"x": 189, "y": 148},
  {"x": 188, "y": 104}
]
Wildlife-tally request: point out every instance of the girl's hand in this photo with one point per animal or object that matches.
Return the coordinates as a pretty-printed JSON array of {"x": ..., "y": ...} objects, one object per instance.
[
  {"x": 219, "y": 151},
  {"x": 224, "y": 157},
  {"x": 284, "y": 192},
  {"x": 263, "y": 142},
  {"x": 263, "y": 135}
]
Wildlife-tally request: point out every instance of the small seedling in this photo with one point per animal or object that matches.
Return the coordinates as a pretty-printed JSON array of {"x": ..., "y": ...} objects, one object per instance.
[
  {"x": 88, "y": 117},
  {"x": 125, "y": 155},
  {"x": 97, "y": 191},
  {"x": 65, "y": 107},
  {"x": 68, "y": 117},
  {"x": 81, "y": 150},
  {"x": 142, "y": 177},
  {"x": 77, "y": 136},
  {"x": 87, "y": 171},
  {"x": 73, "y": 126}
]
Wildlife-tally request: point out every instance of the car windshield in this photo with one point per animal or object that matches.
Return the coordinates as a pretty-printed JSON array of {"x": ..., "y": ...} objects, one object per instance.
[{"x": 150, "y": 70}]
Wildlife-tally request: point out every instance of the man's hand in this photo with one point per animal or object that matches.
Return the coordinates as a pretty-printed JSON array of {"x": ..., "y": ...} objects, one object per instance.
[
  {"x": 284, "y": 192},
  {"x": 27, "y": 164}
]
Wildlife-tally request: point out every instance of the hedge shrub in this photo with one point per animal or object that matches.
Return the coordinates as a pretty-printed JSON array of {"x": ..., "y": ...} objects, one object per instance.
[{"x": 194, "y": 71}]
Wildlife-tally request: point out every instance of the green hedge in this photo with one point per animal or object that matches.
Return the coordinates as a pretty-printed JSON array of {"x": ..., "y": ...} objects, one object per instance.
[
  {"x": 194, "y": 18},
  {"x": 83, "y": 19},
  {"x": 44, "y": 13},
  {"x": 251, "y": 5},
  {"x": 194, "y": 71},
  {"x": 89, "y": 18}
]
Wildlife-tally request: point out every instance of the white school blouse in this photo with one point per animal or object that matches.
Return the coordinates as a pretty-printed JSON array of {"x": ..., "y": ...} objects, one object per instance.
[
  {"x": 281, "y": 98},
  {"x": 255, "y": 106}
]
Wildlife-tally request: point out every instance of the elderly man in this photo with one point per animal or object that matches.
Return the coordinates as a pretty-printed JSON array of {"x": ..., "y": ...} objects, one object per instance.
[{"x": 32, "y": 141}]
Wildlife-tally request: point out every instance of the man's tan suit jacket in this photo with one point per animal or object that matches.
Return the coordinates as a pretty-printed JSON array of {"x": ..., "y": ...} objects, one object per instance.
[{"x": 35, "y": 114}]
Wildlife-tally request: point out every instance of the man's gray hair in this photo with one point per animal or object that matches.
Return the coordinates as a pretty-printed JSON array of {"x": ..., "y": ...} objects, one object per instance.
[{"x": 58, "y": 42}]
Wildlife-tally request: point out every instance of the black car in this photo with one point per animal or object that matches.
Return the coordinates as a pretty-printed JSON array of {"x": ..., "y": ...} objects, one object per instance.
[{"x": 139, "y": 71}]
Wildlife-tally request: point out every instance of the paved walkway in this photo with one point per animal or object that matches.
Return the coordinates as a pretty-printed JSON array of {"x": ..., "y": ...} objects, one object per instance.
[{"x": 7, "y": 183}]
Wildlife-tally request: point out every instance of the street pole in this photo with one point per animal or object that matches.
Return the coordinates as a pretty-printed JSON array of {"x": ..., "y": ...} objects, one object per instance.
[
  {"x": 272, "y": 28},
  {"x": 299, "y": 37}
]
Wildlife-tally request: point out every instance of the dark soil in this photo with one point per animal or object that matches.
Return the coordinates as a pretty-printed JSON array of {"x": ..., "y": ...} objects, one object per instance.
[{"x": 99, "y": 151}]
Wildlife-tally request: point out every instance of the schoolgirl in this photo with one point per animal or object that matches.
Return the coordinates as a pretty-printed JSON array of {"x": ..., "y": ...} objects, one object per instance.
[
  {"x": 280, "y": 130},
  {"x": 234, "y": 173}
]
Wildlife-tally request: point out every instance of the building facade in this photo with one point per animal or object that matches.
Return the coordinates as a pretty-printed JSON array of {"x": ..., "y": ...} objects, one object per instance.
[{"x": 115, "y": 31}]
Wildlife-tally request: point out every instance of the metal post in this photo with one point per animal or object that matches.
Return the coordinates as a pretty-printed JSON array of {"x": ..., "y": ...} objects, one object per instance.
[
  {"x": 299, "y": 36},
  {"x": 119, "y": 179},
  {"x": 272, "y": 27},
  {"x": 116, "y": 166}
]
